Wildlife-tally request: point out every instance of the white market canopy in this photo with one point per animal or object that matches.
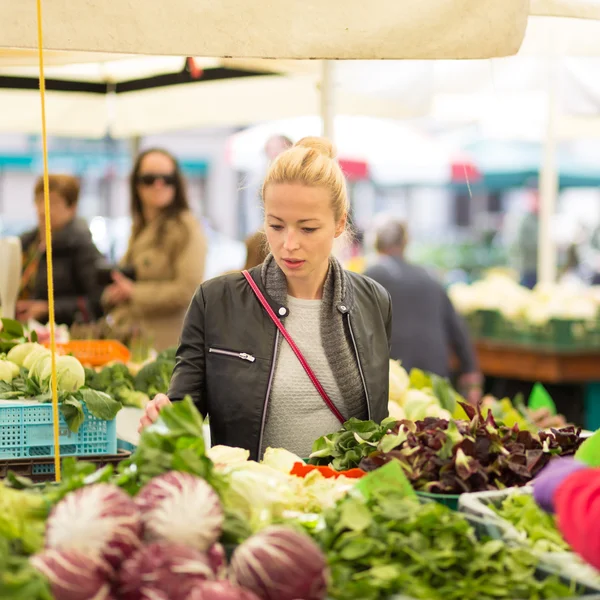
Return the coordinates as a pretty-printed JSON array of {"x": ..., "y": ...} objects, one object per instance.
[{"x": 297, "y": 29}]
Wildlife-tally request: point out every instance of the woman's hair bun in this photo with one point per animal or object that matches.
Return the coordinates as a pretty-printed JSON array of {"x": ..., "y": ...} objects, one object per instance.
[{"x": 320, "y": 144}]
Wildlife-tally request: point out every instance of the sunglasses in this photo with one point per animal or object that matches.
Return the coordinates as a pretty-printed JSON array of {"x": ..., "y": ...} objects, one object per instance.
[{"x": 150, "y": 178}]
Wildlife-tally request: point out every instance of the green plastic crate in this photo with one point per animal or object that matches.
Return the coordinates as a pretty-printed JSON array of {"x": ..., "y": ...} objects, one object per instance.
[{"x": 449, "y": 500}]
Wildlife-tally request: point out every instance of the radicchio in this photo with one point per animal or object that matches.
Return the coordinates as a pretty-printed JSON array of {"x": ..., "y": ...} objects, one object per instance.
[
  {"x": 218, "y": 560},
  {"x": 280, "y": 563},
  {"x": 181, "y": 508},
  {"x": 100, "y": 521},
  {"x": 220, "y": 590},
  {"x": 73, "y": 575},
  {"x": 163, "y": 571}
]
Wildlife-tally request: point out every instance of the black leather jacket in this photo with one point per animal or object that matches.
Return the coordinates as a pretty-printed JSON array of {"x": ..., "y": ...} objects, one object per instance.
[{"x": 226, "y": 358}]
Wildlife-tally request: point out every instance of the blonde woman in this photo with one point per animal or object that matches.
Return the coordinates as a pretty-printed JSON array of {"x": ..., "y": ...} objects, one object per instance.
[{"x": 236, "y": 357}]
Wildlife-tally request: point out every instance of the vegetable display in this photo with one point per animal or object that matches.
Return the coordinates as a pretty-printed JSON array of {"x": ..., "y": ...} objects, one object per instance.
[
  {"x": 163, "y": 570},
  {"x": 280, "y": 563},
  {"x": 447, "y": 456},
  {"x": 100, "y": 521},
  {"x": 453, "y": 457},
  {"x": 117, "y": 381},
  {"x": 539, "y": 528},
  {"x": 391, "y": 544},
  {"x": 31, "y": 367},
  {"x": 162, "y": 525},
  {"x": 179, "y": 507}
]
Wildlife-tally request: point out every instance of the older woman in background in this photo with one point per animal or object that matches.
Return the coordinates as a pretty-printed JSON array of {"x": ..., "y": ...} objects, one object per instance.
[{"x": 75, "y": 259}]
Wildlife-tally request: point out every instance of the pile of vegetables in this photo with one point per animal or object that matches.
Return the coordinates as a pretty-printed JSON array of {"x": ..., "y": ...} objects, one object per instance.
[
  {"x": 134, "y": 387},
  {"x": 180, "y": 522},
  {"x": 163, "y": 543},
  {"x": 448, "y": 456},
  {"x": 155, "y": 529},
  {"x": 22, "y": 518},
  {"x": 389, "y": 544},
  {"x": 25, "y": 373},
  {"x": 537, "y": 526},
  {"x": 418, "y": 394},
  {"x": 154, "y": 377},
  {"x": 518, "y": 304},
  {"x": 452, "y": 457},
  {"x": 117, "y": 381}
]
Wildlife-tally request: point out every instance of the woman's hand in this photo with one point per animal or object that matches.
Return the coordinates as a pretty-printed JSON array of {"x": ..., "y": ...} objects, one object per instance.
[
  {"x": 120, "y": 291},
  {"x": 32, "y": 309},
  {"x": 544, "y": 419},
  {"x": 470, "y": 386},
  {"x": 152, "y": 411}
]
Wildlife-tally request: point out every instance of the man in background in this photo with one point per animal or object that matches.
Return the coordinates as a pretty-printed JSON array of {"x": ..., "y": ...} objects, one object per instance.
[
  {"x": 277, "y": 144},
  {"x": 425, "y": 326},
  {"x": 525, "y": 250}
]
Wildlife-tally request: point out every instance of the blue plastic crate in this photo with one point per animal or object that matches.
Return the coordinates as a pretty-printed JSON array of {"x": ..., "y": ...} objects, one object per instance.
[{"x": 26, "y": 431}]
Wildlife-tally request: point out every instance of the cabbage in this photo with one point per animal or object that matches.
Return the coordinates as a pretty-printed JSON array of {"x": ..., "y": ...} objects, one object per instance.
[
  {"x": 163, "y": 571},
  {"x": 19, "y": 353},
  {"x": 70, "y": 374},
  {"x": 281, "y": 563},
  {"x": 100, "y": 521},
  {"x": 257, "y": 493},
  {"x": 399, "y": 382},
  {"x": 33, "y": 355},
  {"x": 73, "y": 575},
  {"x": 280, "y": 459},
  {"x": 227, "y": 456},
  {"x": 39, "y": 364},
  {"x": 418, "y": 403},
  {"x": 396, "y": 411},
  {"x": 220, "y": 590},
  {"x": 181, "y": 508},
  {"x": 6, "y": 371},
  {"x": 217, "y": 560}
]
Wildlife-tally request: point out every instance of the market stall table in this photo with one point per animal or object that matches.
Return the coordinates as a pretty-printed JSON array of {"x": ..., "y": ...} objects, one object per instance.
[{"x": 527, "y": 363}]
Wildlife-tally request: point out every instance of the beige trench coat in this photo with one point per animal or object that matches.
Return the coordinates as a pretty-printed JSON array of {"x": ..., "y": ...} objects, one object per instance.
[{"x": 167, "y": 275}]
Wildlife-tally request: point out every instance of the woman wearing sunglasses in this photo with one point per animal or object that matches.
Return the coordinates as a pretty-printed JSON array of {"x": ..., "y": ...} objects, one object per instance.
[
  {"x": 166, "y": 251},
  {"x": 283, "y": 353}
]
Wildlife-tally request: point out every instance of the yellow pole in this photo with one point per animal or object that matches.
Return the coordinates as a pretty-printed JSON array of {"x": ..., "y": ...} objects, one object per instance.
[{"x": 48, "y": 245}]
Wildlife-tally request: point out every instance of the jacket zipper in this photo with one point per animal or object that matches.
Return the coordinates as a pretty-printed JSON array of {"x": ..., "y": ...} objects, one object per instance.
[
  {"x": 271, "y": 374},
  {"x": 242, "y": 355},
  {"x": 360, "y": 370}
]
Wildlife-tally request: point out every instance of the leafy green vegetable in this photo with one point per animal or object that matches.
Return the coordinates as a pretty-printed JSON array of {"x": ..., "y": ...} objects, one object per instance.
[
  {"x": 168, "y": 354},
  {"x": 117, "y": 381},
  {"x": 101, "y": 405},
  {"x": 22, "y": 518},
  {"x": 72, "y": 411},
  {"x": 18, "y": 579},
  {"x": 522, "y": 511},
  {"x": 176, "y": 442},
  {"x": 391, "y": 544},
  {"x": 11, "y": 334},
  {"x": 452, "y": 457},
  {"x": 346, "y": 448},
  {"x": 155, "y": 377}
]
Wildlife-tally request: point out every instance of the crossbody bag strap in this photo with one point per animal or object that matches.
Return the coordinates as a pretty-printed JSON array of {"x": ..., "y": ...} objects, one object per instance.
[{"x": 293, "y": 346}]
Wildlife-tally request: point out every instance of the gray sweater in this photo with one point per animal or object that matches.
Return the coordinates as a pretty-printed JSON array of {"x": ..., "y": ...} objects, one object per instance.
[{"x": 297, "y": 415}]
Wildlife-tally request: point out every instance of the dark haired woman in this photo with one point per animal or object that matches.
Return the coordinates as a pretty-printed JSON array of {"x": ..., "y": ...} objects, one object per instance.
[{"x": 167, "y": 251}]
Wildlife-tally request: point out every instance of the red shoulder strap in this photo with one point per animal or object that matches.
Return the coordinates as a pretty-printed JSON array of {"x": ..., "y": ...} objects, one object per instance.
[{"x": 293, "y": 346}]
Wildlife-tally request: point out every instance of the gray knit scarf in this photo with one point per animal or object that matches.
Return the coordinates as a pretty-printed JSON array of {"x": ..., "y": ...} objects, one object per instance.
[{"x": 336, "y": 338}]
